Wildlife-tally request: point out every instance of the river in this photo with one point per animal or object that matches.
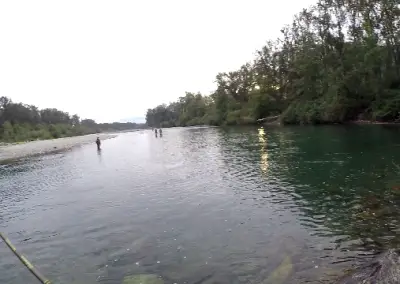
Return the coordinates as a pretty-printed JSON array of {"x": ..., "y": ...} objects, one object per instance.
[{"x": 205, "y": 205}]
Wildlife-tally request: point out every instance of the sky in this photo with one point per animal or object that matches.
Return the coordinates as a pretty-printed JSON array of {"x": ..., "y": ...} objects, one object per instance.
[{"x": 112, "y": 60}]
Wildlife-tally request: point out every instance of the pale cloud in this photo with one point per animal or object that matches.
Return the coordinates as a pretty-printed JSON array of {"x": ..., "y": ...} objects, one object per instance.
[{"x": 110, "y": 60}]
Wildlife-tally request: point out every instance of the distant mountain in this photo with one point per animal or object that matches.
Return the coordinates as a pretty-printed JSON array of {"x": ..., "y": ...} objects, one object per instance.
[{"x": 136, "y": 119}]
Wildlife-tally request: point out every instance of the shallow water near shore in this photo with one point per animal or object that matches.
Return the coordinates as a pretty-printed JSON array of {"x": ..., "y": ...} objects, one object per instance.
[{"x": 205, "y": 205}]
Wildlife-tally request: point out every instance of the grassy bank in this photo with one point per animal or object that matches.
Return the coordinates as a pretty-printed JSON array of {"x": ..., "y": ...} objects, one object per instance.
[{"x": 21, "y": 122}]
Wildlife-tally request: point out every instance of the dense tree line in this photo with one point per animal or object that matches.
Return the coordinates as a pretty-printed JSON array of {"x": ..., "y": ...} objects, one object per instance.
[
  {"x": 339, "y": 60},
  {"x": 21, "y": 122},
  {"x": 192, "y": 109}
]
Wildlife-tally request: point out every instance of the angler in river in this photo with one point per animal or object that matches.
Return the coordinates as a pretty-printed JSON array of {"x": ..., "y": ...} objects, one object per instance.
[{"x": 98, "y": 143}]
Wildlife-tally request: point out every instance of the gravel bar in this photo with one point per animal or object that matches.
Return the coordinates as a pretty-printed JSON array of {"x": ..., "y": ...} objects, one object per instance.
[{"x": 17, "y": 151}]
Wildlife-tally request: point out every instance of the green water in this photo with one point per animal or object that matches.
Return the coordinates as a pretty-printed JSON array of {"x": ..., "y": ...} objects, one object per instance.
[{"x": 206, "y": 205}]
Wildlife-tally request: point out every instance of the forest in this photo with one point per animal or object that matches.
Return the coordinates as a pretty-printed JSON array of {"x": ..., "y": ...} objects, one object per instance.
[
  {"x": 338, "y": 61},
  {"x": 20, "y": 122}
]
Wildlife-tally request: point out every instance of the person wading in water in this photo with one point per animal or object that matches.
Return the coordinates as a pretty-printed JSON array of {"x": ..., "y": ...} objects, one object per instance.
[{"x": 98, "y": 143}]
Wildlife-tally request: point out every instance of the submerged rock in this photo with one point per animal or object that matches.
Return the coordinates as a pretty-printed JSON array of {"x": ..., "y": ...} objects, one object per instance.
[
  {"x": 384, "y": 269},
  {"x": 143, "y": 279},
  {"x": 281, "y": 273}
]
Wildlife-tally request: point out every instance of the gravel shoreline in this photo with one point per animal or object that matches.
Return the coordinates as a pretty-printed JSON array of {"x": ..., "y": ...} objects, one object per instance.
[{"x": 17, "y": 151}]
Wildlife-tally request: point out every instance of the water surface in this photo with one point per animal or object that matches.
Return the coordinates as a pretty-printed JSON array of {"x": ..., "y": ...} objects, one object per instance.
[{"x": 205, "y": 205}]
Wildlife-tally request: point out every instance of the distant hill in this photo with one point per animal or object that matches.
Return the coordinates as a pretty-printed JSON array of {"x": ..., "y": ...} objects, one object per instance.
[{"x": 136, "y": 119}]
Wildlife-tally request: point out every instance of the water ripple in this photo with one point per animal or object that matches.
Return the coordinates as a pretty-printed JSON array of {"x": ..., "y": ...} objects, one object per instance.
[{"x": 202, "y": 205}]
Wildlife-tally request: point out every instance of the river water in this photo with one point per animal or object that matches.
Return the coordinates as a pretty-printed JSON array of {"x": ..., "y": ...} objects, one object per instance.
[{"x": 205, "y": 205}]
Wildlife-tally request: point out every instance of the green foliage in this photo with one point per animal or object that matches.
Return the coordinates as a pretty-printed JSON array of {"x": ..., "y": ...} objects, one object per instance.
[
  {"x": 192, "y": 109},
  {"x": 337, "y": 61},
  {"x": 32, "y": 132},
  {"x": 20, "y": 122}
]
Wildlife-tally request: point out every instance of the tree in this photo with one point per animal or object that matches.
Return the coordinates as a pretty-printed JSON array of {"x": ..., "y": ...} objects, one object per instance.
[
  {"x": 21, "y": 122},
  {"x": 339, "y": 60},
  {"x": 75, "y": 120}
]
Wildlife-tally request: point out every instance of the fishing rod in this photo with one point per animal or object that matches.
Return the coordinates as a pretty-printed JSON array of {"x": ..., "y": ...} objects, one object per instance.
[{"x": 26, "y": 262}]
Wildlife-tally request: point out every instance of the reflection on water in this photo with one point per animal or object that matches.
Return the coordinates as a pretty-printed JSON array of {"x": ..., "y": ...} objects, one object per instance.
[
  {"x": 263, "y": 150},
  {"x": 205, "y": 205},
  {"x": 99, "y": 154}
]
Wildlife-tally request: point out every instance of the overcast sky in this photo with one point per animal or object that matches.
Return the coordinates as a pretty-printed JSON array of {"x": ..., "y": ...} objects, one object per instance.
[{"x": 112, "y": 60}]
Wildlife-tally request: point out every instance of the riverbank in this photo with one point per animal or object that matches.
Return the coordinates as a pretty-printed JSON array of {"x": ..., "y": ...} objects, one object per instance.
[
  {"x": 350, "y": 122},
  {"x": 373, "y": 122},
  {"x": 17, "y": 151}
]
